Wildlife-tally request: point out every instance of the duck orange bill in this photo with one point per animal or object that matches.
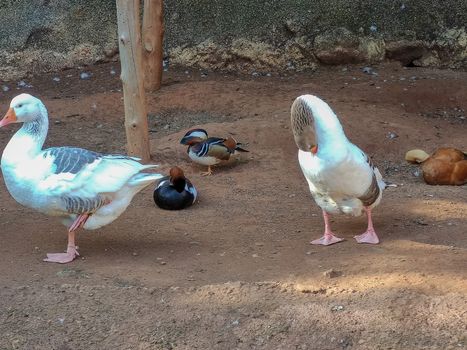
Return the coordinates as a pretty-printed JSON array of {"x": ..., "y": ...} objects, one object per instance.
[
  {"x": 10, "y": 117},
  {"x": 314, "y": 149}
]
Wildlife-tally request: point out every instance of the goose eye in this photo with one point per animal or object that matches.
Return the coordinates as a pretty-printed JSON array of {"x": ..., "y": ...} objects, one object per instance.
[{"x": 20, "y": 105}]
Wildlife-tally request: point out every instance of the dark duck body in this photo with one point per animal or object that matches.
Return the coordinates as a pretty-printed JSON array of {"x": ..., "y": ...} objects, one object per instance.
[{"x": 175, "y": 192}]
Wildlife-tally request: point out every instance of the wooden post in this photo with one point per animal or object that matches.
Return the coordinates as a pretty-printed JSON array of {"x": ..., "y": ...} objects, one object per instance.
[
  {"x": 129, "y": 42},
  {"x": 153, "y": 36}
]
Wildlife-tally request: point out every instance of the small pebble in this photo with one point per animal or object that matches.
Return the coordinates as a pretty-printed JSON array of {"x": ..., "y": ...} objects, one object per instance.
[
  {"x": 421, "y": 222},
  {"x": 56, "y": 79},
  {"x": 22, "y": 83},
  {"x": 337, "y": 308},
  {"x": 84, "y": 75},
  {"x": 5, "y": 88},
  {"x": 331, "y": 273},
  {"x": 392, "y": 135}
]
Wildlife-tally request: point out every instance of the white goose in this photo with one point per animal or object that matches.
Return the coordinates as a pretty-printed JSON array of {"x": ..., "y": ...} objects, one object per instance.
[
  {"x": 341, "y": 177},
  {"x": 85, "y": 188}
]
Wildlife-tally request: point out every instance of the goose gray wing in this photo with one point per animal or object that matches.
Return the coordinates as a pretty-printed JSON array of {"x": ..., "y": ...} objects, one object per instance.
[
  {"x": 377, "y": 184},
  {"x": 76, "y": 172},
  {"x": 70, "y": 159}
]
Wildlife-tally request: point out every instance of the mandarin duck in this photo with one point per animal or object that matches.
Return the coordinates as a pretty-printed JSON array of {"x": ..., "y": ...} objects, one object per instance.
[
  {"x": 85, "y": 189},
  {"x": 209, "y": 151},
  {"x": 175, "y": 192},
  {"x": 340, "y": 176}
]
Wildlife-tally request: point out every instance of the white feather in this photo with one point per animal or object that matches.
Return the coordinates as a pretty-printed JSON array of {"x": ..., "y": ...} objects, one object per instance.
[{"x": 29, "y": 172}]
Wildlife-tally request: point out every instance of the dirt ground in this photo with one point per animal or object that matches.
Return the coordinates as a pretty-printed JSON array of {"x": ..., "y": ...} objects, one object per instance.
[{"x": 236, "y": 270}]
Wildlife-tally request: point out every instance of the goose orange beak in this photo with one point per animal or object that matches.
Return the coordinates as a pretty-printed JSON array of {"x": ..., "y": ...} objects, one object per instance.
[
  {"x": 10, "y": 117},
  {"x": 314, "y": 149}
]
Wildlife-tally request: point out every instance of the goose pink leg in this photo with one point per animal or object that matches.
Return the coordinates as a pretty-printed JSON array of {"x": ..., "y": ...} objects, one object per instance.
[
  {"x": 69, "y": 256},
  {"x": 72, "y": 249},
  {"x": 328, "y": 237},
  {"x": 369, "y": 236}
]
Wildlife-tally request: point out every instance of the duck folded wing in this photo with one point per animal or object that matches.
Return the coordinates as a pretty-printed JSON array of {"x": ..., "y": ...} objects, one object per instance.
[
  {"x": 220, "y": 151},
  {"x": 85, "y": 173},
  {"x": 212, "y": 147}
]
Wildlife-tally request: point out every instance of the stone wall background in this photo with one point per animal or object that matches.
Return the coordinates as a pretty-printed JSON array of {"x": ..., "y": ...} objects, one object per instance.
[{"x": 247, "y": 35}]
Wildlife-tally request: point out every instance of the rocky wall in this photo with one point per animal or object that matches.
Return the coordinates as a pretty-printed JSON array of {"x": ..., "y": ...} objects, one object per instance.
[{"x": 246, "y": 35}]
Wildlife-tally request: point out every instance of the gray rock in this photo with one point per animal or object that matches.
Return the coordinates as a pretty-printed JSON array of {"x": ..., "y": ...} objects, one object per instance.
[{"x": 85, "y": 75}]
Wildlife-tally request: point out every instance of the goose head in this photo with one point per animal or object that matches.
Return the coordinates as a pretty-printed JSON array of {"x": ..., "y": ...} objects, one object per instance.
[
  {"x": 302, "y": 120},
  {"x": 23, "y": 108},
  {"x": 314, "y": 124}
]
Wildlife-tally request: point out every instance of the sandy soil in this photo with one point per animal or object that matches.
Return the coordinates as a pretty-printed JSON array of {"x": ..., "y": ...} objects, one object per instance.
[{"x": 236, "y": 270}]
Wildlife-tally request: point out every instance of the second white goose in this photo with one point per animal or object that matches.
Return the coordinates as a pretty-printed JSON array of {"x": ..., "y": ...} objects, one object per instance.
[{"x": 340, "y": 176}]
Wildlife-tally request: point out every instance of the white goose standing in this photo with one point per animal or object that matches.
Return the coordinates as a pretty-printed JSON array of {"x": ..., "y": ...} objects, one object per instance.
[
  {"x": 85, "y": 188},
  {"x": 341, "y": 177}
]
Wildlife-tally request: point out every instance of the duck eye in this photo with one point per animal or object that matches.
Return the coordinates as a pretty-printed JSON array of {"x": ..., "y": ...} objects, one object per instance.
[{"x": 20, "y": 105}]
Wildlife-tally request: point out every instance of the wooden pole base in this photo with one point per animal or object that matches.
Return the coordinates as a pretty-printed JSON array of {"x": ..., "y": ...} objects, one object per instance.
[{"x": 129, "y": 42}]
